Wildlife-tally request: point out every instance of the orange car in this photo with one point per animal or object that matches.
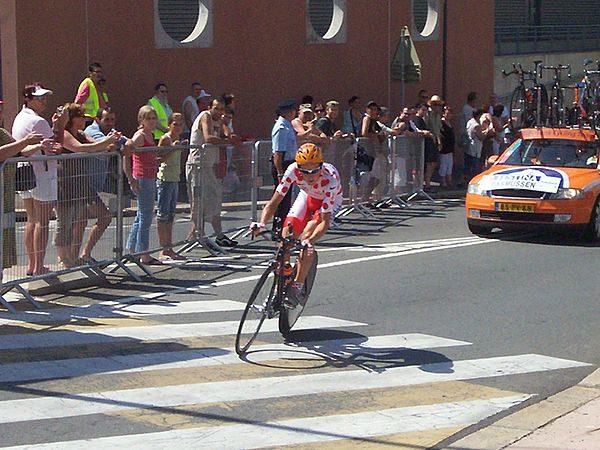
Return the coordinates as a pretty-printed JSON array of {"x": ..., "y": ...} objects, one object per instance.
[{"x": 548, "y": 177}]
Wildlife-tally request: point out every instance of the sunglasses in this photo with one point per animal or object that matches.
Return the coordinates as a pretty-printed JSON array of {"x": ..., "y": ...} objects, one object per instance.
[{"x": 310, "y": 172}]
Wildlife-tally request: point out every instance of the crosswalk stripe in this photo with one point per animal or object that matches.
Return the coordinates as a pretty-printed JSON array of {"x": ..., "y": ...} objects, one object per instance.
[
  {"x": 117, "y": 309},
  {"x": 337, "y": 348},
  {"x": 273, "y": 387},
  {"x": 361, "y": 426},
  {"x": 154, "y": 332}
]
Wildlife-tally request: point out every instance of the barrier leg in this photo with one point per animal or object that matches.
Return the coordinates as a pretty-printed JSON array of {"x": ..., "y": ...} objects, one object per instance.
[
  {"x": 7, "y": 305},
  {"x": 25, "y": 293}
]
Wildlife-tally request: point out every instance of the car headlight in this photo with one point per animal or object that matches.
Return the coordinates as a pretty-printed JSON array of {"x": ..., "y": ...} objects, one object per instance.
[
  {"x": 567, "y": 194},
  {"x": 475, "y": 188}
]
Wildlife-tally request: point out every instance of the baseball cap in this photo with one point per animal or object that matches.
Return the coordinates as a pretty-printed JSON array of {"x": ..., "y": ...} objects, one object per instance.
[
  {"x": 332, "y": 103},
  {"x": 306, "y": 107},
  {"x": 203, "y": 93},
  {"x": 372, "y": 104},
  {"x": 40, "y": 91}
]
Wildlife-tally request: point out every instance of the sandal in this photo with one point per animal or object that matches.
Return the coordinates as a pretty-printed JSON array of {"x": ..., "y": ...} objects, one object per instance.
[{"x": 151, "y": 262}]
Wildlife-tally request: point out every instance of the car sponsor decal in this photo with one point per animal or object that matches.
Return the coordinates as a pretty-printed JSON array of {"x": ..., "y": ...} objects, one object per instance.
[{"x": 540, "y": 179}]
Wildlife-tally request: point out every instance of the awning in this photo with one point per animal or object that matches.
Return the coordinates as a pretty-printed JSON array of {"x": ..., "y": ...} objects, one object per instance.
[{"x": 406, "y": 65}]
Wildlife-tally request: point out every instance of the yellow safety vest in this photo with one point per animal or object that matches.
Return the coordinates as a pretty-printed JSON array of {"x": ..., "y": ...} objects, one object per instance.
[
  {"x": 92, "y": 104},
  {"x": 161, "y": 114}
]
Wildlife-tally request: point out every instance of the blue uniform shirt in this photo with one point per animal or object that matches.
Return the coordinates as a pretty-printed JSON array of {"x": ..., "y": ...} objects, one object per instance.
[{"x": 283, "y": 139}]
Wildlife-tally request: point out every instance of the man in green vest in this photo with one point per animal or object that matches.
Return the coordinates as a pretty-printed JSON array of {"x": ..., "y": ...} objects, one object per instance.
[
  {"x": 161, "y": 105},
  {"x": 90, "y": 93}
]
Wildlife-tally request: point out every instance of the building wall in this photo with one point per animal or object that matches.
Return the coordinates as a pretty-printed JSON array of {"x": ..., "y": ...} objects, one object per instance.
[{"x": 259, "y": 53}]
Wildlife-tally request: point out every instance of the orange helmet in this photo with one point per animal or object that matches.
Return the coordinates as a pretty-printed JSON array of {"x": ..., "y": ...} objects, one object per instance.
[{"x": 309, "y": 154}]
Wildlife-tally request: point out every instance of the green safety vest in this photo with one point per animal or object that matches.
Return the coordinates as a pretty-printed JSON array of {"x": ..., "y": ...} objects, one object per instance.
[
  {"x": 161, "y": 114},
  {"x": 92, "y": 104}
]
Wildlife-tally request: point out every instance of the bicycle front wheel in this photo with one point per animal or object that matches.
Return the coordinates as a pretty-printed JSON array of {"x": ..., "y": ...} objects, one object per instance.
[
  {"x": 289, "y": 317},
  {"x": 257, "y": 309}
]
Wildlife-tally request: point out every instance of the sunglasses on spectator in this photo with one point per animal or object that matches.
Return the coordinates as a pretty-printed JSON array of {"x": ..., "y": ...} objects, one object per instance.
[{"x": 311, "y": 171}]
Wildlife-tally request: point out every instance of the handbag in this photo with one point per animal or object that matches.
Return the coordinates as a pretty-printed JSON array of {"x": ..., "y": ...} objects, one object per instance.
[
  {"x": 24, "y": 177},
  {"x": 363, "y": 159}
]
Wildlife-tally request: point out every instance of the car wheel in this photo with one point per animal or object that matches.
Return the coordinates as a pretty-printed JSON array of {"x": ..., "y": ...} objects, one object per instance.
[
  {"x": 479, "y": 230},
  {"x": 593, "y": 230}
]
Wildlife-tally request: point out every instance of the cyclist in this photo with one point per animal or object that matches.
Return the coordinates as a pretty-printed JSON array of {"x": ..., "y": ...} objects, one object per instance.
[{"x": 311, "y": 214}]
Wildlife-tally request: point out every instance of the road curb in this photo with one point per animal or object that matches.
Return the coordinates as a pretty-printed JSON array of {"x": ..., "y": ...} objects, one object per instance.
[{"x": 522, "y": 423}]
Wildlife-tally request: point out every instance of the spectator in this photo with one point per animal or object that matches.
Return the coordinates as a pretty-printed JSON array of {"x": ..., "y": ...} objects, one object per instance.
[
  {"x": 447, "y": 149},
  {"x": 160, "y": 103},
  {"x": 431, "y": 149},
  {"x": 352, "y": 117},
  {"x": 401, "y": 126},
  {"x": 140, "y": 169},
  {"x": 493, "y": 103},
  {"x": 307, "y": 99},
  {"x": 229, "y": 100},
  {"x": 433, "y": 119},
  {"x": 422, "y": 96},
  {"x": 476, "y": 134},
  {"x": 167, "y": 185},
  {"x": 190, "y": 109},
  {"x": 284, "y": 145},
  {"x": 204, "y": 100},
  {"x": 326, "y": 124},
  {"x": 40, "y": 200},
  {"x": 466, "y": 115},
  {"x": 320, "y": 111},
  {"x": 487, "y": 121},
  {"x": 383, "y": 122},
  {"x": 304, "y": 125},
  {"x": 201, "y": 173},
  {"x": 99, "y": 169},
  {"x": 9, "y": 148},
  {"x": 371, "y": 129},
  {"x": 500, "y": 126},
  {"x": 91, "y": 92},
  {"x": 228, "y": 167},
  {"x": 75, "y": 191}
]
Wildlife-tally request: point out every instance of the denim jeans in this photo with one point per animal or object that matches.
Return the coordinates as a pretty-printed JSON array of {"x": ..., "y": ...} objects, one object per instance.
[
  {"x": 139, "y": 234},
  {"x": 168, "y": 191}
]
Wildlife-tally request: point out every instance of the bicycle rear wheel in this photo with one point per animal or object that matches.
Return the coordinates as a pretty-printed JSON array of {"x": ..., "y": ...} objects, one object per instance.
[
  {"x": 257, "y": 309},
  {"x": 289, "y": 317}
]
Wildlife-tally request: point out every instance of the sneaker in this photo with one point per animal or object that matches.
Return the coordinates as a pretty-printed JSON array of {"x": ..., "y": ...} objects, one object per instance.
[
  {"x": 226, "y": 242},
  {"x": 294, "y": 295}
]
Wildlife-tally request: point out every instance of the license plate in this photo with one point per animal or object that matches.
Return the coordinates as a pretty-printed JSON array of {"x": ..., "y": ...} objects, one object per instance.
[{"x": 515, "y": 207}]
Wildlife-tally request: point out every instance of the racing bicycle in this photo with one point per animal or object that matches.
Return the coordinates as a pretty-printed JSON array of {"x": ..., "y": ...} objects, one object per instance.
[
  {"x": 266, "y": 300},
  {"x": 557, "y": 112},
  {"x": 529, "y": 100}
]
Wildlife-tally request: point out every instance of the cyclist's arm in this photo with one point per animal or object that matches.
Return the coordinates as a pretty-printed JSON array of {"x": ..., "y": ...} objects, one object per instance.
[
  {"x": 320, "y": 229},
  {"x": 269, "y": 210}
]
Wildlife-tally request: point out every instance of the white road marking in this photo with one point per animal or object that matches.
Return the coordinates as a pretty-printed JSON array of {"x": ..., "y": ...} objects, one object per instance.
[
  {"x": 71, "y": 405},
  {"x": 360, "y": 426},
  {"x": 331, "y": 349},
  {"x": 120, "y": 310},
  {"x": 110, "y": 335}
]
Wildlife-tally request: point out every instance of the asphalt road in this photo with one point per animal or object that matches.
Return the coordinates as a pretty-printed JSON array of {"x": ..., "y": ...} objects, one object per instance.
[{"x": 412, "y": 321}]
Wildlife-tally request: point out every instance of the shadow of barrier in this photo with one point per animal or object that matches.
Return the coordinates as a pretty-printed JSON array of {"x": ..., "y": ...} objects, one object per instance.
[{"x": 82, "y": 204}]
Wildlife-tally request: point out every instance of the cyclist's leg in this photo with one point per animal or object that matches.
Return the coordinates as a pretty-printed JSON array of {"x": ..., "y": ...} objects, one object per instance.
[
  {"x": 297, "y": 217},
  {"x": 305, "y": 260}
]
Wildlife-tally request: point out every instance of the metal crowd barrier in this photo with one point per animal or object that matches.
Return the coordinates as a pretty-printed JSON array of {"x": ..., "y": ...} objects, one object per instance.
[{"x": 95, "y": 209}]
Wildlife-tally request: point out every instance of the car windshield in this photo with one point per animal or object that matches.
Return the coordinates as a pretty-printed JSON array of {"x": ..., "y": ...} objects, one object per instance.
[{"x": 551, "y": 153}]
